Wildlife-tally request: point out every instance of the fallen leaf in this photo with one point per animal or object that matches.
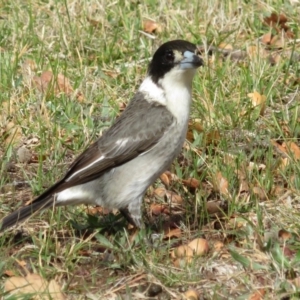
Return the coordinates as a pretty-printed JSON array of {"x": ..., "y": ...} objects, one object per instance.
[
  {"x": 199, "y": 246},
  {"x": 258, "y": 295},
  {"x": 258, "y": 100},
  {"x": 242, "y": 177},
  {"x": 122, "y": 106},
  {"x": 266, "y": 38},
  {"x": 280, "y": 148},
  {"x": 225, "y": 46},
  {"x": 33, "y": 284},
  {"x": 182, "y": 251},
  {"x": 260, "y": 193},
  {"x": 173, "y": 197},
  {"x": 293, "y": 148},
  {"x": 256, "y": 52},
  {"x": 60, "y": 84},
  {"x": 278, "y": 22},
  {"x": 151, "y": 26},
  {"x": 158, "y": 209},
  {"x": 194, "y": 125},
  {"x": 160, "y": 192},
  {"x": 191, "y": 294},
  {"x": 296, "y": 282},
  {"x": 11, "y": 133},
  {"x": 9, "y": 273},
  {"x": 288, "y": 252},
  {"x": 165, "y": 179},
  {"x": 98, "y": 210},
  {"x": 93, "y": 22},
  {"x": 221, "y": 183},
  {"x": 212, "y": 137},
  {"x": 284, "y": 235},
  {"x": 64, "y": 85},
  {"x": 191, "y": 182},
  {"x": 218, "y": 246},
  {"x": 214, "y": 208}
]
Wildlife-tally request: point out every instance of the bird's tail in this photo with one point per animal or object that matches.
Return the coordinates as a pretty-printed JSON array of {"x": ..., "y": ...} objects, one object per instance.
[
  {"x": 24, "y": 212},
  {"x": 45, "y": 200}
]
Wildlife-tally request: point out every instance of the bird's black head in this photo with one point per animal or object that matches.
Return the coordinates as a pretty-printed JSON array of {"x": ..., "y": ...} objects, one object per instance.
[{"x": 177, "y": 53}]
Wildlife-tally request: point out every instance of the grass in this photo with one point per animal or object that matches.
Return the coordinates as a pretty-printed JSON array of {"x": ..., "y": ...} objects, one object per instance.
[{"x": 236, "y": 156}]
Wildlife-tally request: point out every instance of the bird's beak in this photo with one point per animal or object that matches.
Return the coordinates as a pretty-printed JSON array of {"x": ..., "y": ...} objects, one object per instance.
[{"x": 191, "y": 61}]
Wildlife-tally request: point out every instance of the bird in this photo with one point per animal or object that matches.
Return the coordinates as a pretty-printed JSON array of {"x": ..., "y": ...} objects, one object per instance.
[{"x": 116, "y": 170}]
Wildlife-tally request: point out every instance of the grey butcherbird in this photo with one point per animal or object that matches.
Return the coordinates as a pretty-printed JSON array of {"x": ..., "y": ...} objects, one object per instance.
[{"x": 117, "y": 169}]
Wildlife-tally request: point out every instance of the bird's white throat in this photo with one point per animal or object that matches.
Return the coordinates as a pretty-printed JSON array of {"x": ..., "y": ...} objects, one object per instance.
[{"x": 172, "y": 91}]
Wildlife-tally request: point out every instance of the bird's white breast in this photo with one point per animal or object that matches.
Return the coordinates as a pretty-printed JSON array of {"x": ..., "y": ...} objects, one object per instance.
[{"x": 172, "y": 91}]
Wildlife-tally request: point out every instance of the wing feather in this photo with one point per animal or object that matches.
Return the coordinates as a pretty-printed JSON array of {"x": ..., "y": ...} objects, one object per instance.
[{"x": 137, "y": 130}]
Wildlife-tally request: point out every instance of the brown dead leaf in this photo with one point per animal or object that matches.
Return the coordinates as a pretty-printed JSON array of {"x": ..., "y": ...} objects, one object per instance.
[
  {"x": 80, "y": 97},
  {"x": 221, "y": 183},
  {"x": 284, "y": 234},
  {"x": 288, "y": 252},
  {"x": 214, "y": 208},
  {"x": 296, "y": 282},
  {"x": 11, "y": 133},
  {"x": 23, "y": 264},
  {"x": 64, "y": 85},
  {"x": 287, "y": 149},
  {"x": 93, "y": 22},
  {"x": 193, "y": 125},
  {"x": 191, "y": 182},
  {"x": 218, "y": 246},
  {"x": 122, "y": 106},
  {"x": 275, "y": 19},
  {"x": 9, "y": 273},
  {"x": 60, "y": 84},
  {"x": 191, "y": 294},
  {"x": 158, "y": 209},
  {"x": 278, "y": 22},
  {"x": 255, "y": 52},
  {"x": 242, "y": 177},
  {"x": 97, "y": 210},
  {"x": 212, "y": 137},
  {"x": 173, "y": 197},
  {"x": 266, "y": 38},
  {"x": 258, "y": 295},
  {"x": 260, "y": 193},
  {"x": 199, "y": 246},
  {"x": 43, "y": 81},
  {"x": 294, "y": 149},
  {"x": 151, "y": 26},
  {"x": 182, "y": 251},
  {"x": 225, "y": 46},
  {"x": 165, "y": 179},
  {"x": 160, "y": 192},
  {"x": 33, "y": 284},
  {"x": 258, "y": 100},
  {"x": 280, "y": 148},
  {"x": 278, "y": 42}
]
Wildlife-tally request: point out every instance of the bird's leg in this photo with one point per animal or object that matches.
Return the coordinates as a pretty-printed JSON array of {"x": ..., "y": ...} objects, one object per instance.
[
  {"x": 125, "y": 213},
  {"x": 134, "y": 209}
]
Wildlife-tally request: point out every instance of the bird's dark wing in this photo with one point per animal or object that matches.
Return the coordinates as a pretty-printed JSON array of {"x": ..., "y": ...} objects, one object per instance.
[{"x": 137, "y": 130}]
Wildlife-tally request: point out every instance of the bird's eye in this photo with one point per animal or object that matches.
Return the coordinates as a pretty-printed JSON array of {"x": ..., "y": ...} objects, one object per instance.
[{"x": 169, "y": 56}]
